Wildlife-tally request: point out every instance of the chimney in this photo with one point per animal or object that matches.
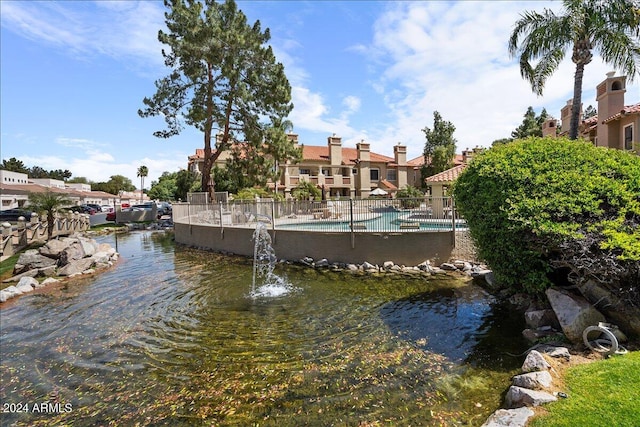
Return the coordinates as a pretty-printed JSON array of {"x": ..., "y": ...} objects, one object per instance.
[
  {"x": 364, "y": 150},
  {"x": 610, "y": 97},
  {"x": 549, "y": 127},
  {"x": 400, "y": 154},
  {"x": 335, "y": 149}
]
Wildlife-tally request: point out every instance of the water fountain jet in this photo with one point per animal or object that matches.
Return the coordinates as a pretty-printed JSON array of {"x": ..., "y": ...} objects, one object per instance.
[{"x": 265, "y": 283}]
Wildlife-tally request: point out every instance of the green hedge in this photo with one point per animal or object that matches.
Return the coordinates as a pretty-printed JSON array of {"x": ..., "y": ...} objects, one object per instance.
[{"x": 528, "y": 201}]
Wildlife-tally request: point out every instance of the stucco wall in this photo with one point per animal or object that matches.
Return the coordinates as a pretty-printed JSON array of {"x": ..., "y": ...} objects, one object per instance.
[{"x": 376, "y": 248}]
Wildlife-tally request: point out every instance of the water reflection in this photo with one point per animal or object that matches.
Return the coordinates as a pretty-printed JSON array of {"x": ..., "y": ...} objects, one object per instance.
[{"x": 170, "y": 337}]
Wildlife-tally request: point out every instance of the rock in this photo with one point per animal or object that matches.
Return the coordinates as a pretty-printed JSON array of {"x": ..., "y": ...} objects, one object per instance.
[
  {"x": 89, "y": 246},
  {"x": 387, "y": 265},
  {"x": 52, "y": 248},
  {"x": 352, "y": 267},
  {"x": 28, "y": 281},
  {"x": 322, "y": 263},
  {"x": 71, "y": 253},
  {"x": 448, "y": 266},
  {"x": 517, "y": 397},
  {"x": 554, "y": 351},
  {"x": 17, "y": 277},
  {"x": 626, "y": 316},
  {"x": 76, "y": 267},
  {"x": 490, "y": 278},
  {"x": 101, "y": 257},
  {"x": 368, "y": 266},
  {"x": 535, "y": 362},
  {"x": 537, "y": 318},
  {"x": 533, "y": 380},
  {"x": 49, "y": 280},
  {"x": 31, "y": 259},
  {"x": 517, "y": 417},
  {"x": 574, "y": 313},
  {"x": 4, "y": 296},
  {"x": 46, "y": 271},
  {"x": 13, "y": 291}
]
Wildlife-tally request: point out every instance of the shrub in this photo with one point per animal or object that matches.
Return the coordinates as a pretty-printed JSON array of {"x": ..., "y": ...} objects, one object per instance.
[
  {"x": 305, "y": 190},
  {"x": 551, "y": 204},
  {"x": 251, "y": 193},
  {"x": 410, "y": 196}
]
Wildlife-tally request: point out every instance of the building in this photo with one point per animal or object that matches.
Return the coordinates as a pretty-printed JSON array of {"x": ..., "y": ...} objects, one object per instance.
[
  {"x": 615, "y": 126},
  {"x": 15, "y": 188},
  {"x": 339, "y": 171}
]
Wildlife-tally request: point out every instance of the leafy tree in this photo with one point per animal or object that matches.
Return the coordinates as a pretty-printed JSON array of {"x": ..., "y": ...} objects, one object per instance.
[
  {"x": 38, "y": 172},
  {"x": 440, "y": 147},
  {"x": 256, "y": 161},
  {"x": 115, "y": 184},
  {"x": 78, "y": 180},
  {"x": 62, "y": 175},
  {"x": 590, "y": 111},
  {"x": 223, "y": 77},
  {"x": 48, "y": 202},
  {"x": 14, "y": 165},
  {"x": 531, "y": 125},
  {"x": 252, "y": 193},
  {"x": 165, "y": 187},
  {"x": 186, "y": 182},
  {"x": 305, "y": 191},
  {"x": 552, "y": 205},
  {"x": 143, "y": 171},
  {"x": 612, "y": 27},
  {"x": 411, "y": 196}
]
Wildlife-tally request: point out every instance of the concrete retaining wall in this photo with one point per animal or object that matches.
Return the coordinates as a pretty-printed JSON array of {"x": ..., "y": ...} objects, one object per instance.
[{"x": 376, "y": 248}]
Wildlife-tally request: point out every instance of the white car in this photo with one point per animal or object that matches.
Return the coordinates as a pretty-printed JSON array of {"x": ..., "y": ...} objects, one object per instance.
[{"x": 107, "y": 208}]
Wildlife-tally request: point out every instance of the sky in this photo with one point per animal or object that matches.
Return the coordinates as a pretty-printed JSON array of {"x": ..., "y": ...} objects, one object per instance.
[{"x": 74, "y": 73}]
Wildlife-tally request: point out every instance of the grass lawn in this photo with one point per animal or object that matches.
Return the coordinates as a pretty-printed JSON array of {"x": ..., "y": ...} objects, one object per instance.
[{"x": 605, "y": 393}]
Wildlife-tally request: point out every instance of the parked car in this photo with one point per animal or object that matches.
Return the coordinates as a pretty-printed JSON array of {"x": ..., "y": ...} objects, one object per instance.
[
  {"x": 107, "y": 208},
  {"x": 98, "y": 208},
  {"x": 111, "y": 216},
  {"x": 164, "y": 208},
  {"x": 14, "y": 214},
  {"x": 83, "y": 209}
]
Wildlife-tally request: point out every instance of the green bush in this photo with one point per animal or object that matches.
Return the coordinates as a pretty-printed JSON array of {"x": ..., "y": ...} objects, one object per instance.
[
  {"x": 305, "y": 190},
  {"x": 251, "y": 193},
  {"x": 410, "y": 197},
  {"x": 540, "y": 204}
]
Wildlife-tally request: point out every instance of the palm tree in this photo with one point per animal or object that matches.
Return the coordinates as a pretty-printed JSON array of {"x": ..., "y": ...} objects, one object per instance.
[
  {"x": 143, "y": 171},
  {"x": 612, "y": 27},
  {"x": 48, "y": 202}
]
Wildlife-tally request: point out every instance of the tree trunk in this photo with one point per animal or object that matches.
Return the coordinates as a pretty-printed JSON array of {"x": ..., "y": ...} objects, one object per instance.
[{"x": 576, "y": 105}]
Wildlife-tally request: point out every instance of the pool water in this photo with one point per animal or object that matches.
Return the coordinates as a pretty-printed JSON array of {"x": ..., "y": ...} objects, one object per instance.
[{"x": 171, "y": 336}]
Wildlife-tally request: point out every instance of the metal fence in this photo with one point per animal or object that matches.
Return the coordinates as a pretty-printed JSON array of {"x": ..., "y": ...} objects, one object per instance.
[{"x": 347, "y": 215}]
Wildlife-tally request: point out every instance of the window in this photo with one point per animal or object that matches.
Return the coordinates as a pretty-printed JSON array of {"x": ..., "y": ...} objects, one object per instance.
[
  {"x": 392, "y": 175},
  {"x": 354, "y": 171},
  {"x": 305, "y": 171},
  {"x": 326, "y": 171},
  {"x": 374, "y": 174},
  {"x": 628, "y": 137}
]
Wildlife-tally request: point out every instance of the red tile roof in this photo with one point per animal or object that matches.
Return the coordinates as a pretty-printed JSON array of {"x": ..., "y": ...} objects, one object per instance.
[
  {"x": 629, "y": 109},
  {"x": 389, "y": 185},
  {"x": 449, "y": 175},
  {"x": 349, "y": 155}
]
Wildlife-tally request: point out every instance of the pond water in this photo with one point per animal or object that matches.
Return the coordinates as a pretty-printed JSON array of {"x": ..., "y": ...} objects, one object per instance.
[{"x": 171, "y": 336}]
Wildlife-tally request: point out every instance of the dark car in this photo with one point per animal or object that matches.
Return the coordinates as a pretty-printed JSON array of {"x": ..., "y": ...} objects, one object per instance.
[
  {"x": 111, "y": 216},
  {"x": 14, "y": 214},
  {"x": 83, "y": 209},
  {"x": 98, "y": 208}
]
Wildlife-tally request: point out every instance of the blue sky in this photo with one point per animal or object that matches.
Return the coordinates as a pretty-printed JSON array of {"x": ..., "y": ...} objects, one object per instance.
[{"x": 74, "y": 73}]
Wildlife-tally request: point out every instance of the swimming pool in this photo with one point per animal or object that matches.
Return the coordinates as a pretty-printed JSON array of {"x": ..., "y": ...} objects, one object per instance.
[{"x": 380, "y": 222}]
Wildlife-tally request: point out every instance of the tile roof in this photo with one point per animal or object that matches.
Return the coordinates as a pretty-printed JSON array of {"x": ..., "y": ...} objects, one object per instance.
[
  {"x": 449, "y": 175},
  {"x": 628, "y": 109},
  {"x": 388, "y": 184},
  {"x": 349, "y": 155}
]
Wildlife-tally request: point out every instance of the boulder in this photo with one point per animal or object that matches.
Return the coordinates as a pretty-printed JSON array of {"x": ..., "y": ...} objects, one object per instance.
[
  {"x": 17, "y": 277},
  {"x": 538, "y": 318},
  {"x": 533, "y": 380},
  {"x": 101, "y": 257},
  {"x": 71, "y": 253},
  {"x": 388, "y": 265},
  {"x": 517, "y": 417},
  {"x": 31, "y": 259},
  {"x": 626, "y": 316},
  {"x": 322, "y": 263},
  {"x": 4, "y": 296},
  {"x": 28, "y": 281},
  {"x": 46, "y": 271},
  {"x": 76, "y": 267},
  {"x": 535, "y": 361},
  {"x": 48, "y": 280},
  {"x": 574, "y": 313},
  {"x": 89, "y": 246},
  {"x": 518, "y": 396},
  {"x": 53, "y": 248},
  {"x": 12, "y": 291}
]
